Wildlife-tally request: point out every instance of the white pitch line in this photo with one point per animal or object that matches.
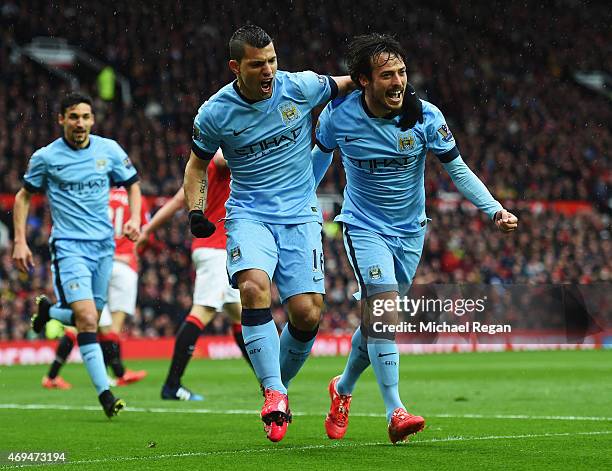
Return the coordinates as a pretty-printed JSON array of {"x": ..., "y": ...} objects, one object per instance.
[
  {"x": 161, "y": 410},
  {"x": 334, "y": 445}
]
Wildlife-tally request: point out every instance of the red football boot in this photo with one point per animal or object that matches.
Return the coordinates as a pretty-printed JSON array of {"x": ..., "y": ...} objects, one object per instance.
[
  {"x": 275, "y": 414},
  {"x": 130, "y": 377},
  {"x": 55, "y": 383},
  {"x": 336, "y": 421},
  {"x": 403, "y": 424}
]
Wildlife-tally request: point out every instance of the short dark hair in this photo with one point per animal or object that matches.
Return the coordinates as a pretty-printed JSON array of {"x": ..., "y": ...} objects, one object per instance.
[
  {"x": 364, "y": 50},
  {"x": 252, "y": 35},
  {"x": 74, "y": 98}
]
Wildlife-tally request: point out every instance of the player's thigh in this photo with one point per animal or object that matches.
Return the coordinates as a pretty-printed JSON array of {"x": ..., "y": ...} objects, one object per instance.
[
  {"x": 300, "y": 266},
  {"x": 408, "y": 256},
  {"x": 231, "y": 297},
  {"x": 102, "y": 273},
  {"x": 72, "y": 271},
  {"x": 250, "y": 245},
  {"x": 106, "y": 320},
  {"x": 372, "y": 260},
  {"x": 211, "y": 280},
  {"x": 122, "y": 289}
]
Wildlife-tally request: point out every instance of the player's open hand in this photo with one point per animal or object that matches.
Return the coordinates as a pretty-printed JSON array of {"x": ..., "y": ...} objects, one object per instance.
[
  {"x": 131, "y": 230},
  {"x": 22, "y": 257},
  {"x": 506, "y": 221}
]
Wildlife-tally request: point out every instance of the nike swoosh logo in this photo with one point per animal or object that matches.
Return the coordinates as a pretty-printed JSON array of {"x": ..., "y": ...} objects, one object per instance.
[
  {"x": 380, "y": 355},
  {"x": 316, "y": 280},
  {"x": 59, "y": 168},
  {"x": 237, "y": 133},
  {"x": 412, "y": 93},
  {"x": 255, "y": 340},
  {"x": 350, "y": 139},
  {"x": 293, "y": 352}
]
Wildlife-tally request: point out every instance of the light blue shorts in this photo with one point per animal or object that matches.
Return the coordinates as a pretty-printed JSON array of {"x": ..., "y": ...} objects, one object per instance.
[
  {"x": 291, "y": 254},
  {"x": 382, "y": 263},
  {"x": 81, "y": 270}
]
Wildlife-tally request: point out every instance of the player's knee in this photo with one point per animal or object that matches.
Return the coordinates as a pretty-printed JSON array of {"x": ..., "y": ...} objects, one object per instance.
[
  {"x": 87, "y": 322},
  {"x": 253, "y": 293},
  {"x": 305, "y": 311}
]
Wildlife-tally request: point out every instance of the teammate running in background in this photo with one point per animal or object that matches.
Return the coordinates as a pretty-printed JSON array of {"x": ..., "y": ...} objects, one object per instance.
[
  {"x": 76, "y": 171},
  {"x": 383, "y": 132},
  {"x": 212, "y": 292},
  {"x": 122, "y": 294}
]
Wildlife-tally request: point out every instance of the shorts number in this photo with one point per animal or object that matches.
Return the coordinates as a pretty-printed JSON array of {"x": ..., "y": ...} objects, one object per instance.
[{"x": 317, "y": 260}]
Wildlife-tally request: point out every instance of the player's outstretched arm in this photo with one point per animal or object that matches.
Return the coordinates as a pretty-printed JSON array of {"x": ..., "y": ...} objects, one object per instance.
[
  {"x": 163, "y": 215},
  {"x": 22, "y": 256},
  {"x": 196, "y": 191},
  {"x": 345, "y": 84},
  {"x": 474, "y": 190},
  {"x": 131, "y": 229}
]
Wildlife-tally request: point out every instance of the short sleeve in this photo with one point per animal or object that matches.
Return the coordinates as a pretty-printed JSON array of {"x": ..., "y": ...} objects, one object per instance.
[
  {"x": 35, "y": 177},
  {"x": 122, "y": 172},
  {"x": 324, "y": 131},
  {"x": 204, "y": 139},
  {"x": 317, "y": 89},
  {"x": 439, "y": 136}
]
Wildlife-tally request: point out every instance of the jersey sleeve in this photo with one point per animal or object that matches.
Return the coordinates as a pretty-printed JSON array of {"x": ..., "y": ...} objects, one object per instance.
[
  {"x": 439, "y": 137},
  {"x": 324, "y": 132},
  {"x": 317, "y": 89},
  {"x": 35, "y": 177},
  {"x": 204, "y": 140},
  {"x": 122, "y": 172}
]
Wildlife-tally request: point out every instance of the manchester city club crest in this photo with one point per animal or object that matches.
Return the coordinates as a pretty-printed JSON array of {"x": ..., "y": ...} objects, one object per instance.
[
  {"x": 100, "y": 165},
  {"x": 289, "y": 112},
  {"x": 235, "y": 254},
  {"x": 405, "y": 142},
  {"x": 375, "y": 273}
]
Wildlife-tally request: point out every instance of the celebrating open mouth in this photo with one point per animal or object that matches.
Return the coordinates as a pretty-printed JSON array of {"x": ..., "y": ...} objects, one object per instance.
[
  {"x": 395, "y": 97},
  {"x": 266, "y": 86}
]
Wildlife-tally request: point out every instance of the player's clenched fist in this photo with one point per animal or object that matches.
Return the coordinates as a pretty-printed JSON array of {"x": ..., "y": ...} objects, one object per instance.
[
  {"x": 131, "y": 230},
  {"x": 199, "y": 225},
  {"x": 506, "y": 221}
]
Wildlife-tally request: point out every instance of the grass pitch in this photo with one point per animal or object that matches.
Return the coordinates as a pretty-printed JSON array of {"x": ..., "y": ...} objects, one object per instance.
[{"x": 521, "y": 410}]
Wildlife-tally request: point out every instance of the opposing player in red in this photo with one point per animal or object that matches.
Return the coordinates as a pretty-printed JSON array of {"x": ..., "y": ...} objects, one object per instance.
[
  {"x": 122, "y": 293},
  {"x": 212, "y": 292}
]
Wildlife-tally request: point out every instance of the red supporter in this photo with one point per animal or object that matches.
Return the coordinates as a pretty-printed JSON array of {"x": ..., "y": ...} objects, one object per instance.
[{"x": 119, "y": 211}]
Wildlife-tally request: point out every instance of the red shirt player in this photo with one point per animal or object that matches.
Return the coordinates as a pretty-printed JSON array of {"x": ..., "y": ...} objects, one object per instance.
[
  {"x": 212, "y": 291},
  {"x": 122, "y": 288}
]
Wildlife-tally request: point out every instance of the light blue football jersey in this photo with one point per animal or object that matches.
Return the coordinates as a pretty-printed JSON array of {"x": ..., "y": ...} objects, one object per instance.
[
  {"x": 267, "y": 147},
  {"x": 77, "y": 183},
  {"x": 385, "y": 166}
]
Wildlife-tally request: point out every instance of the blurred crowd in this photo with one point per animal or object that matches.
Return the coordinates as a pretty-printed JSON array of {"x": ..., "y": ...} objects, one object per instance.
[
  {"x": 462, "y": 246},
  {"x": 501, "y": 72}
]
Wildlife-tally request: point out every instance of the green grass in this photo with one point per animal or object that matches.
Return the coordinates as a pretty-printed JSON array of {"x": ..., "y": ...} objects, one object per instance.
[{"x": 573, "y": 386}]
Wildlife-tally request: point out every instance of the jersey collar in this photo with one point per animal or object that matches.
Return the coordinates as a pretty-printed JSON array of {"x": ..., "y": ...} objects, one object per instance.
[
  {"x": 248, "y": 100},
  {"x": 370, "y": 114},
  {"x": 67, "y": 142}
]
